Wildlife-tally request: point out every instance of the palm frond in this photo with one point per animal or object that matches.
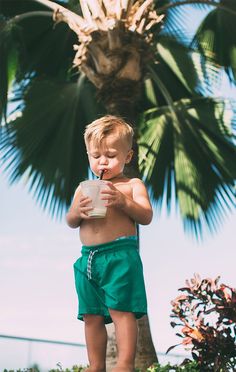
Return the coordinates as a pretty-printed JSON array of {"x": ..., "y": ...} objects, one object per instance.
[
  {"x": 43, "y": 51},
  {"x": 53, "y": 117},
  {"x": 191, "y": 159},
  {"x": 164, "y": 81},
  {"x": 198, "y": 75},
  {"x": 8, "y": 64},
  {"x": 216, "y": 40},
  {"x": 179, "y": 59},
  {"x": 156, "y": 154},
  {"x": 13, "y": 8},
  {"x": 46, "y": 50},
  {"x": 179, "y": 20}
]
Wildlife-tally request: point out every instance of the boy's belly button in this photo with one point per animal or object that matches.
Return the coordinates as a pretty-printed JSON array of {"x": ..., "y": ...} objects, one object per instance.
[{"x": 96, "y": 230}]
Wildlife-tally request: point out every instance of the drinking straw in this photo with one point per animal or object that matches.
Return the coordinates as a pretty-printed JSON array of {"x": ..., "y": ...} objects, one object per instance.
[{"x": 101, "y": 174}]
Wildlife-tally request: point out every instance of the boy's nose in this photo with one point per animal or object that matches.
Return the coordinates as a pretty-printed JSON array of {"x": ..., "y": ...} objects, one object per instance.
[{"x": 103, "y": 160}]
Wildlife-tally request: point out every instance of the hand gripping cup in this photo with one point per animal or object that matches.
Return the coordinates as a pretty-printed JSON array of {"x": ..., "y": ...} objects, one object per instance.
[{"x": 92, "y": 189}]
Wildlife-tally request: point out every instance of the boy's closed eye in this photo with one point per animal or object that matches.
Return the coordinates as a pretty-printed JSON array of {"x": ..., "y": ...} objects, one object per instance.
[{"x": 97, "y": 156}]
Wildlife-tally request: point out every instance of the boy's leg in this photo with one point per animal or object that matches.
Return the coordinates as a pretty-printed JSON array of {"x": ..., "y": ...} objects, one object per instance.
[
  {"x": 126, "y": 337},
  {"x": 96, "y": 341}
]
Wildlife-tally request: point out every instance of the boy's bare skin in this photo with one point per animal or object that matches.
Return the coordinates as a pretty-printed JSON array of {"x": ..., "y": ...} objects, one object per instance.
[{"x": 127, "y": 203}]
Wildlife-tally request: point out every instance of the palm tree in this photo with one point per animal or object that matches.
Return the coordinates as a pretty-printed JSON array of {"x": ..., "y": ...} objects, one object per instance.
[{"x": 136, "y": 59}]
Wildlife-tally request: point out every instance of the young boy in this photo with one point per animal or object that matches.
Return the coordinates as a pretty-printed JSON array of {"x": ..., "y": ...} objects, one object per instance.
[{"x": 108, "y": 276}]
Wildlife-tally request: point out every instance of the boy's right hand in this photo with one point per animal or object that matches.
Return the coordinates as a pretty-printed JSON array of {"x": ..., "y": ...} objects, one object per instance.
[
  {"x": 79, "y": 209},
  {"x": 84, "y": 208}
]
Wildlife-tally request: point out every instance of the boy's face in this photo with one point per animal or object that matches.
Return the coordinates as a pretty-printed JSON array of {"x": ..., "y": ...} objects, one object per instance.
[{"x": 111, "y": 156}]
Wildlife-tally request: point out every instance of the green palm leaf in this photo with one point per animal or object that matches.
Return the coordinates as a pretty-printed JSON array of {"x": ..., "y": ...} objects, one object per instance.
[
  {"x": 156, "y": 152},
  {"x": 8, "y": 64},
  {"x": 44, "y": 51},
  {"x": 216, "y": 39},
  {"x": 179, "y": 59},
  {"x": 179, "y": 18},
  {"x": 45, "y": 141},
  {"x": 192, "y": 158}
]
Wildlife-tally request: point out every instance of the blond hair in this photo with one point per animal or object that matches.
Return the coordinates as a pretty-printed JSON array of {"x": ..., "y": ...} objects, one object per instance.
[{"x": 109, "y": 124}]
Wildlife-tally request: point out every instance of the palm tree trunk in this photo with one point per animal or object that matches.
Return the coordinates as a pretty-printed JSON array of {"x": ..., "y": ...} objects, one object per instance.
[{"x": 146, "y": 354}]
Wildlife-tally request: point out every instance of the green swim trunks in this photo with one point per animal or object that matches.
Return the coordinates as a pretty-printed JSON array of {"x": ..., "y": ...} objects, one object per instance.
[{"x": 110, "y": 275}]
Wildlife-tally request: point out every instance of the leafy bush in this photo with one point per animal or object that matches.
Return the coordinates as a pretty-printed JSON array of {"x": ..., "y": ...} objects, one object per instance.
[
  {"x": 206, "y": 313},
  {"x": 73, "y": 369},
  {"x": 186, "y": 366},
  {"x": 190, "y": 367}
]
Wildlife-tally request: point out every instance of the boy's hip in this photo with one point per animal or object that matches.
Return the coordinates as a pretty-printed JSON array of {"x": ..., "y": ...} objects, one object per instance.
[
  {"x": 111, "y": 260},
  {"x": 124, "y": 242}
]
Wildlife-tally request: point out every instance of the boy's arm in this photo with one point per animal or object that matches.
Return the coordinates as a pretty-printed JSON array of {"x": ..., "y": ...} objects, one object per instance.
[
  {"x": 138, "y": 208},
  {"x": 78, "y": 210}
]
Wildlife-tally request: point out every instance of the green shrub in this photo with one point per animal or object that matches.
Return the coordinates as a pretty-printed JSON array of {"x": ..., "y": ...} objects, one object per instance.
[{"x": 186, "y": 366}]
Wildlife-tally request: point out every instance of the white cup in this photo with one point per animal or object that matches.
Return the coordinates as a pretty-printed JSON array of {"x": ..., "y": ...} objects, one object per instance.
[{"x": 92, "y": 189}]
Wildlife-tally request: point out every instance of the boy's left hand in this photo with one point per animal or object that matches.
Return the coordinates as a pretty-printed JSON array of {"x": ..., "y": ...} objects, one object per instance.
[{"x": 114, "y": 197}]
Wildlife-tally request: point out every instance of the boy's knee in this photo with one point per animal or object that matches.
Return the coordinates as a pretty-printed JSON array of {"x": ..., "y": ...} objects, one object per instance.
[
  {"x": 122, "y": 315},
  {"x": 91, "y": 319}
]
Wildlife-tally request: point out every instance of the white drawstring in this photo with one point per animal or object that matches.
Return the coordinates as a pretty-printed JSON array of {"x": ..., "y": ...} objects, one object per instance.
[{"x": 89, "y": 264}]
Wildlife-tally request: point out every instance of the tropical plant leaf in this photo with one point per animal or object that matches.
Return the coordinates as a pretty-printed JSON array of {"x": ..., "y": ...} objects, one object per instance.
[
  {"x": 179, "y": 59},
  {"x": 192, "y": 159},
  {"x": 171, "y": 82},
  {"x": 13, "y": 8},
  {"x": 45, "y": 50},
  {"x": 156, "y": 153},
  {"x": 8, "y": 64},
  {"x": 53, "y": 118},
  {"x": 216, "y": 39},
  {"x": 203, "y": 75},
  {"x": 179, "y": 20},
  {"x": 171, "y": 348}
]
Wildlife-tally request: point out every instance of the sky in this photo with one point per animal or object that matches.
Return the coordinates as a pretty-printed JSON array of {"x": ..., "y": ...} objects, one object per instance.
[{"x": 37, "y": 293}]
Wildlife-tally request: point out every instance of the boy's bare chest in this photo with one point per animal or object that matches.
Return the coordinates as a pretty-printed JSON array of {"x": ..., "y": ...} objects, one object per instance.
[
  {"x": 116, "y": 222},
  {"x": 125, "y": 188}
]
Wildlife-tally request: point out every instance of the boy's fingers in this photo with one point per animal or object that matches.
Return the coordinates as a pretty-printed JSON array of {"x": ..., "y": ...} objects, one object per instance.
[
  {"x": 83, "y": 198},
  {"x": 86, "y": 209},
  {"x": 83, "y": 212},
  {"x": 110, "y": 184},
  {"x": 84, "y": 216},
  {"x": 108, "y": 197},
  {"x": 85, "y": 201},
  {"x": 110, "y": 192}
]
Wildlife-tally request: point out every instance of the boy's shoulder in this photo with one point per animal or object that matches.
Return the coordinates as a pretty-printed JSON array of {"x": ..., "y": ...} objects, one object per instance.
[
  {"x": 132, "y": 182},
  {"x": 136, "y": 180}
]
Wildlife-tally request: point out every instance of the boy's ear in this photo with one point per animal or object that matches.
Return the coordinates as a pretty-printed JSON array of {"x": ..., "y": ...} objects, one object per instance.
[{"x": 129, "y": 156}]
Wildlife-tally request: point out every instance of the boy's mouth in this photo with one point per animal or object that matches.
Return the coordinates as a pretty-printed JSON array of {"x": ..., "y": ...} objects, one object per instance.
[
  {"x": 105, "y": 170},
  {"x": 102, "y": 173}
]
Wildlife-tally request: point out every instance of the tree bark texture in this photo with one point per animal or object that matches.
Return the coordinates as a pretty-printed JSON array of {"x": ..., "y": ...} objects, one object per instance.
[{"x": 146, "y": 354}]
